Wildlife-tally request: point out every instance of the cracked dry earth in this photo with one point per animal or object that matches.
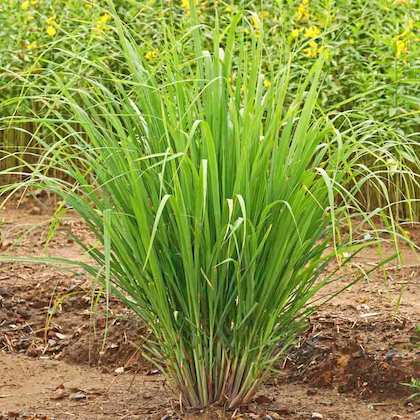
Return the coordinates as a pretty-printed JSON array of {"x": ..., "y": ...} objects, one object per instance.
[{"x": 57, "y": 363}]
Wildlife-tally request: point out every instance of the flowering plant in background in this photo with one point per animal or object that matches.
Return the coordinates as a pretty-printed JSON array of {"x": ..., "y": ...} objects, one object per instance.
[
  {"x": 51, "y": 26},
  {"x": 186, "y": 5},
  {"x": 102, "y": 22},
  {"x": 302, "y": 12},
  {"x": 151, "y": 55},
  {"x": 313, "y": 50},
  {"x": 375, "y": 67},
  {"x": 312, "y": 32}
]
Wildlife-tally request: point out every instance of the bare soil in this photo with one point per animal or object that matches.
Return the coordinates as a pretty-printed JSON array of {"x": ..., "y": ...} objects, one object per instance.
[{"x": 65, "y": 355}]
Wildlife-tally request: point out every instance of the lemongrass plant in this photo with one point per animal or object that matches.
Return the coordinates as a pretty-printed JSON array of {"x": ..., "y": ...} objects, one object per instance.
[{"x": 211, "y": 192}]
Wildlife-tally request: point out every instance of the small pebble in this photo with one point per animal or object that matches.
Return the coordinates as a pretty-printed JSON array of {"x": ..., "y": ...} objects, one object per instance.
[
  {"x": 78, "y": 396},
  {"x": 35, "y": 211}
]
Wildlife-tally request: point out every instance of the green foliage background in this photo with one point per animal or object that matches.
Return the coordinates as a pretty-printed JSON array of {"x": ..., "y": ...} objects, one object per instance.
[
  {"x": 371, "y": 71},
  {"x": 362, "y": 39}
]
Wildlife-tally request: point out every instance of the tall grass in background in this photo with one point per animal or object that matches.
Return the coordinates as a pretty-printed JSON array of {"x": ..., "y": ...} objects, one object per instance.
[{"x": 212, "y": 195}]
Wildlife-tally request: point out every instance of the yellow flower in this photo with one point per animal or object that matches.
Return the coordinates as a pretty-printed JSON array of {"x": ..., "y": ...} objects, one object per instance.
[
  {"x": 267, "y": 83},
  {"x": 312, "y": 51},
  {"x": 312, "y": 32},
  {"x": 25, "y": 5},
  {"x": 302, "y": 12},
  {"x": 295, "y": 33},
  {"x": 256, "y": 23},
  {"x": 151, "y": 55},
  {"x": 34, "y": 2},
  {"x": 401, "y": 48},
  {"x": 186, "y": 6},
  {"x": 265, "y": 14},
  {"x": 102, "y": 22},
  {"x": 51, "y": 26},
  {"x": 51, "y": 31},
  {"x": 51, "y": 21},
  {"x": 401, "y": 2},
  {"x": 327, "y": 53},
  {"x": 104, "y": 19},
  {"x": 32, "y": 45}
]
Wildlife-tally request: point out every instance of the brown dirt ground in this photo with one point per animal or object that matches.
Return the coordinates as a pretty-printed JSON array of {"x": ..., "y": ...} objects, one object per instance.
[{"x": 55, "y": 361}]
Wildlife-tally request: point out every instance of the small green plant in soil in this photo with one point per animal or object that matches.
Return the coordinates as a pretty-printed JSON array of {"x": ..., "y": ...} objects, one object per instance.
[
  {"x": 211, "y": 188},
  {"x": 415, "y": 386}
]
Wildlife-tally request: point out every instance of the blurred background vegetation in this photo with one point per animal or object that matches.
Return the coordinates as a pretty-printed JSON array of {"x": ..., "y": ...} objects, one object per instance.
[{"x": 371, "y": 71}]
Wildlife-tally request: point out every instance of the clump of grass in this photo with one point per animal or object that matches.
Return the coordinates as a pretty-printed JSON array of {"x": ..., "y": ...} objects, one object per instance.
[{"x": 212, "y": 195}]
